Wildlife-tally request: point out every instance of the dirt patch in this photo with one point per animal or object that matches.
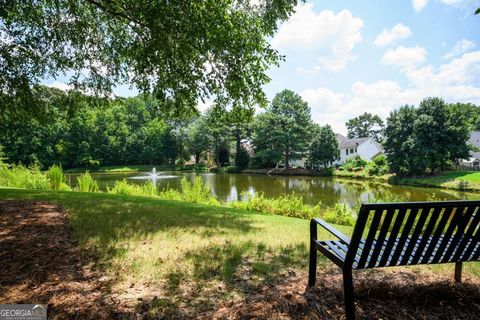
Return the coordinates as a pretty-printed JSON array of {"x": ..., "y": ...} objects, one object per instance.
[
  {"x": 40, "y": 263},
  {"x": 379, "y": 294}
]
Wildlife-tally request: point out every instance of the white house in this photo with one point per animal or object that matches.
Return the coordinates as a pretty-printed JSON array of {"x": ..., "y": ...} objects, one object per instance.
[
  {"x": 367, "y": 148},
  {"x": 473, "y": 161}
]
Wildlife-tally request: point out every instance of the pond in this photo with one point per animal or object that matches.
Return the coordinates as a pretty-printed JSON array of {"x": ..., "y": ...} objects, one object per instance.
[{"x": 329, "y": 191}]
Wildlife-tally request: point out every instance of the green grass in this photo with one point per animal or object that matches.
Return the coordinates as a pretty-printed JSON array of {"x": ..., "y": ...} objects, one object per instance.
[
  {"x": 448, "y": 179},
  {"x": 189, "y": 255},
  {"x": 176, "y": 247}
]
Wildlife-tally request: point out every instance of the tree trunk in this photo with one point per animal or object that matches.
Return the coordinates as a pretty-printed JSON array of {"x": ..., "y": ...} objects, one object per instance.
[
  {"x": 287, "y": 157},
  {"x": 197, "y": 158}
]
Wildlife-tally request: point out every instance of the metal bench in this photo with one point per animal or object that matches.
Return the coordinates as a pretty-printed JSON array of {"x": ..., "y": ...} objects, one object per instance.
[{"x": 400, "y": 234}]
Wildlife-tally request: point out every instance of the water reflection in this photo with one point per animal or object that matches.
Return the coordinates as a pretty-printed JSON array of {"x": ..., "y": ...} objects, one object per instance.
[{"x": 328, "y": 191}]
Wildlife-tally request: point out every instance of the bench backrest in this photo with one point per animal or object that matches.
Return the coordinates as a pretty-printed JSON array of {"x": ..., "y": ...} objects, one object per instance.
[{"x": 390, "y": 234}]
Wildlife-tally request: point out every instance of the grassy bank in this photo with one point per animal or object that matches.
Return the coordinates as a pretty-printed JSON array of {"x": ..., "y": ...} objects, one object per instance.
[{"x": 455, "y": 180}]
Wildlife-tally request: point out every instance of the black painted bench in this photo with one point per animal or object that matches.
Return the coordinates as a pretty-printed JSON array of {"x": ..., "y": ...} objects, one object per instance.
[{"x": 400, "y": 234}]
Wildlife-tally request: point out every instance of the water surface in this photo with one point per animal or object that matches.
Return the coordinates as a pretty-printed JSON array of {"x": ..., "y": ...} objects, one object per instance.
[{"x": 327, "y": 190}]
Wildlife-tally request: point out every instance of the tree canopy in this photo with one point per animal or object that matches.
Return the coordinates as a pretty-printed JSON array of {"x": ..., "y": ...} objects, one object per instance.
[
  {"x": 425, "y": 139},
  {"x": 365, "y": 125},
  {"x": 324, "y": 147},
  {"x": 285, "y": 126},
  {"x": 182, "y": 51}
]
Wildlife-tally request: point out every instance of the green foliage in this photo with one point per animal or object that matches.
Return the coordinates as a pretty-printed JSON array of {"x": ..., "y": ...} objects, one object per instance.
[
  {"x": 55, "y": 174},
  {"x": 285, "y": 205},
  {"x": 90, "y": 163},
  {"x": 19, "y": 176},
  {"x": 285, "y": 126},
  {"x": 340, "y": 214},
  {"x": 365, "y": 125},
  {"x": 477, "y": 11},
  {"x": 266, "y": 158},
  {"x": 126, "y": 131},
  {"x": 377, "y": 167},
  {"x": 123, "y": 42},
  {"x": 427, "y": 139},
  {"x": 123, "y": 187},
  {"x": 86, "y": 183},
  {"x": 242, "y": 158},
  {"x": 463, "y": 185},
  {"x": 324, "y": 147},
  {"x": 354, "y": 164},
  {"x": 195, "y": 191}
]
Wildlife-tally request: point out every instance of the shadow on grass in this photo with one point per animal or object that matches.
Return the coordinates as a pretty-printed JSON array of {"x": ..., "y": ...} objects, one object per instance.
[{"x": 222, "y": 274}]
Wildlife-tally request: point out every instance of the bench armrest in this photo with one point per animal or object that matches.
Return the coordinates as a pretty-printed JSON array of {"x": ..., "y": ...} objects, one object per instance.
[{"x": 331, "y": 229}]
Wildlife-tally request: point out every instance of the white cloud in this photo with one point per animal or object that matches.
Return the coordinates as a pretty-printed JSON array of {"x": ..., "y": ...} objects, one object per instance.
[
  {"x": 460, "y": 47},
  {"x": 418, "y": 5},
  {"x": 404, "y": 57},
  {"x": 398, "y": 32},
  {"x": 454, "y": 82},
  {"x": 59, "y": 85},
  {"x": 331, "y": 37}
]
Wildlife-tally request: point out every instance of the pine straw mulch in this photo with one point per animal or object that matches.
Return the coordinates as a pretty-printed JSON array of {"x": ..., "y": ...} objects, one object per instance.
[
  {"x": 379, "y": 294},
  {"x": 39, "y": 263}
]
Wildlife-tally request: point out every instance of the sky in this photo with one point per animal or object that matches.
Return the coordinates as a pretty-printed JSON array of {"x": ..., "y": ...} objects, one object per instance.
[{"x": 347, "y": 57}]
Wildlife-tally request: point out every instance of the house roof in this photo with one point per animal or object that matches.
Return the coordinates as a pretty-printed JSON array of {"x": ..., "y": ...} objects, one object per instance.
[{"x": 352, "y": 143}]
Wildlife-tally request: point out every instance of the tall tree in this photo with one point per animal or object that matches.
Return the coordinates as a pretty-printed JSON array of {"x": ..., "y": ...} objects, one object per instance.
[
  {"x": 285, "y": 126},
  {"x": 365, "y": 125},
  {"x": 199, "y": 138},
  {"x": 183, "y": 51},
  {"x": 324, "y": 147},
  {"x": 426, "y": 139}
]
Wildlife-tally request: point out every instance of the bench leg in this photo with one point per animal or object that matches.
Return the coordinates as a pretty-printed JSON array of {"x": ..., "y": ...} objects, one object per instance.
[
  {"x": 312, "y": 266},
  {"x": 348, "y": 293},
  {"x": 458, "y": 272}
]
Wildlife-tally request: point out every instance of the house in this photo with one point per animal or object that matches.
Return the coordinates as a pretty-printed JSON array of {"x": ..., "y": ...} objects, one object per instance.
[
  {"x": 473, "y": 162},
  {"x": 367, "y": 148}
]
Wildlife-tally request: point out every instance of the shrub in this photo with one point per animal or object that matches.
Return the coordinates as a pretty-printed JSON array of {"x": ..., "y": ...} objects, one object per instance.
[
  {"x": 285, "y": 205},
  {"x": 463, "y": 184},
  {"x": 354, "y": 164},
  {"x": 86, "y": 183},
  {"x": 90, "y": 163},
  {"x": 147, "y": 189},
  {"x": 340, "y": 214},
  {"x": 57, "y": 179},
  {"x": 194, "y": 191},
  {"x": 232, "y": 169},
  {"x": 242, "y": 158},
  {"x": 19, "y": 176}
]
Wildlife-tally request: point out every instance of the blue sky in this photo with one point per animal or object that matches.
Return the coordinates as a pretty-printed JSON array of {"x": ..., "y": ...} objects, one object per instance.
[{"x": 348, "y": 57}]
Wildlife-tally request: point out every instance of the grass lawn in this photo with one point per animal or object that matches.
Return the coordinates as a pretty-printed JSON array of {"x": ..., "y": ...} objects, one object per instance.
[
  {"x": 178, "y": 249},
  {"x": 448, "y": 179},
  {"x": 191, "y": 256}
]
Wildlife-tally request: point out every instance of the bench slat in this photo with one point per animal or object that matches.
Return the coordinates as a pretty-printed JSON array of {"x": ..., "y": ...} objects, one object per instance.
[
  {"x": 380, "y": 243},
  {"x": 468, "y": 236},
  {"x": 370, "y": 237},
  {"x": 445, "y": 216}
]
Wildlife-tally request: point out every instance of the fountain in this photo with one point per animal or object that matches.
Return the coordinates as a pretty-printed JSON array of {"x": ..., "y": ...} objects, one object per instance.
[{"x": 154, "y": 176}]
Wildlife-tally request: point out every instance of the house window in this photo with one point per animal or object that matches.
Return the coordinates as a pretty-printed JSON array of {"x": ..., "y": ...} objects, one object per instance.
[
  {"x": 351, "y": 150},
  {"x": 355, "y": 150},
  {"x": 346, "y": 150}
]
